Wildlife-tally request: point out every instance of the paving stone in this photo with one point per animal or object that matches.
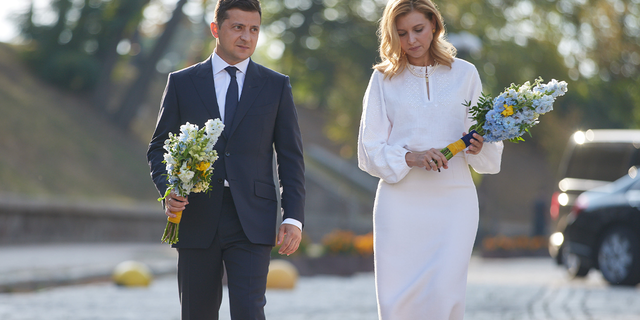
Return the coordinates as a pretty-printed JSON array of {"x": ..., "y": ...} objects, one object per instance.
[{"x": 498, "y": 289}]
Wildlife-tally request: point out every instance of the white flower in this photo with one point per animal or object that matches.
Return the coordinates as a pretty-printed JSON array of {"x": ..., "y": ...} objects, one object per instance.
[
  {"x": 187, "y": 128},
  {"x": 167, "y": 145},
  {"x": 187, "y": 187},
  {"x": 213, "y": 129},
  {"x": 193, "y": 145},
  {"x": 169, "y": 159},
  {"x": 188, "y": 132},
  {"x": 185, "y": 174}
]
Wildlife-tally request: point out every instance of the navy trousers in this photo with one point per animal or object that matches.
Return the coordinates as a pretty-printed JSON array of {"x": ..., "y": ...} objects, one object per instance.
[{"x": 200, "y": 272}]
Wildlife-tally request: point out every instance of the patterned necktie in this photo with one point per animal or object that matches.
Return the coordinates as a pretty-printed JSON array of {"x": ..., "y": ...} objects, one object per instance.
[{"x": 231, "y": 101}]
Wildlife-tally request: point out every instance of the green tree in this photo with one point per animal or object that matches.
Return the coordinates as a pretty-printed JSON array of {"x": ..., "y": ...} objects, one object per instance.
[
  {"x": 592, "y": 44},
  {"x": 138, "y": 90},
  {"x": 121, "y": 19},
  {"x": 78, "y": 51},
  {"x": 329, "y": 46},
  {"x": 54, "y": 56}
]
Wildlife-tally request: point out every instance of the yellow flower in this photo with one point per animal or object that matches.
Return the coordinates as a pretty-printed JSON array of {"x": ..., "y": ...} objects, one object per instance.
[
  {"x": 508, "y": 110},
  {"x": 489, "y": 244},
  {"x": 339, "y": 241},
  {"x": 364, "y": 244},
  {"x": 202, "y": 166}
]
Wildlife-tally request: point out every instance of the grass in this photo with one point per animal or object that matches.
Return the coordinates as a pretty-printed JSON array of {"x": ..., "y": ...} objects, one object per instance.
[{"x": 53, "y": 143}]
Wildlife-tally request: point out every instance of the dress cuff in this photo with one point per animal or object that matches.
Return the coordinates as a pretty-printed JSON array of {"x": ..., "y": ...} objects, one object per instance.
[{"x": 293, "y": 222}]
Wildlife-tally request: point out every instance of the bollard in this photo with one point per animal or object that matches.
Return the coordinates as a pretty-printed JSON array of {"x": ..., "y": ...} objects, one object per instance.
[
  {"x": 132, "y": 274},
  {"x": 282, "y": 275}
]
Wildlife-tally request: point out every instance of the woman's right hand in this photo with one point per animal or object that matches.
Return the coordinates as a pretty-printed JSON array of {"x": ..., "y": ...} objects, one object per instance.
[
  {"x": 174, "y": 203},
  {"x": 431, "y": 159}
]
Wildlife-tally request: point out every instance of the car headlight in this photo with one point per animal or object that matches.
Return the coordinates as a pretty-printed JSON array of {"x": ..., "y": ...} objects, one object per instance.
[
  {"x": 563, "y": 199},
  {"x": 556, "y": 239}
]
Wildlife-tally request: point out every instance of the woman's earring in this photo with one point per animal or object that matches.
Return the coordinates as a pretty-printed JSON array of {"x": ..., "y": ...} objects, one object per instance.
[{"x": 433, "y": 30}]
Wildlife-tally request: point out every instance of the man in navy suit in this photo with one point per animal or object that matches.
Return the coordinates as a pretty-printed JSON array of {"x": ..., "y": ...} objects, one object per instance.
[{"x": 235, "y": 223}]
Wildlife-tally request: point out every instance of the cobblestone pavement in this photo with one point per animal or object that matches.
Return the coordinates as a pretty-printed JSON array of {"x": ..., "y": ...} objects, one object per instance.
[
  {"x": 536, "y": 289},
  {"x": 498, "y": 289}
]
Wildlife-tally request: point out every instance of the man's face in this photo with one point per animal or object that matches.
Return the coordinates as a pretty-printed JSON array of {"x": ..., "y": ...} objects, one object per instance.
[{"x": 237, "y": 36}]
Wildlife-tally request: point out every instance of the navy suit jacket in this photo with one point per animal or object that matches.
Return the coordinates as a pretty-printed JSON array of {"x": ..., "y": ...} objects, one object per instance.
[{"x": 265, "y": 117}]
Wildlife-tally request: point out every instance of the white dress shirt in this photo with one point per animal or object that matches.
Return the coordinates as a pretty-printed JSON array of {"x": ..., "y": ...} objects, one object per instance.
[{"x": 221, "y": 79}]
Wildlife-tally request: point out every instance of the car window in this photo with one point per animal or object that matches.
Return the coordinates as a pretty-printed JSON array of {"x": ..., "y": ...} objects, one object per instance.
[{"x": 601, "y": 161}]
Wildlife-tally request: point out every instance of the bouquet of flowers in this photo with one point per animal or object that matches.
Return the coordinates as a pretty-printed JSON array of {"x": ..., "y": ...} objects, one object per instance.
[
  {"x": 189, "y": 159},
  {"x": 511, "y": 114}
]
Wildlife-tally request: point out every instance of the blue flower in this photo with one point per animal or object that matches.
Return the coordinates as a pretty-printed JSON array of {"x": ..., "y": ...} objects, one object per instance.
[{"x": 528, "y": 101}]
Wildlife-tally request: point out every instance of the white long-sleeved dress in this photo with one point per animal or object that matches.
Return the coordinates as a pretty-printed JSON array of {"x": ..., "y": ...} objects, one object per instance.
[{"x": 425, "y": 222}]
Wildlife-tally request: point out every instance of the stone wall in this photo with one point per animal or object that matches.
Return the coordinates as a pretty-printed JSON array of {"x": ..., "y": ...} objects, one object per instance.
[
  {"x": 25, "y": 221},
  {"x": 339, "y": 196}
]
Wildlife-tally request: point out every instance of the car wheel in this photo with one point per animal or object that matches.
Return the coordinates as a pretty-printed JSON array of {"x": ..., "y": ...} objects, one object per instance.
[
  {"x": 619, "y": 257},
  {"x": 576, "y": 268}
]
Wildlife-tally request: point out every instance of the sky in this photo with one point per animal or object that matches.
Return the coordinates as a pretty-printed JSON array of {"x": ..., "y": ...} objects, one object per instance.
[{"x": 8, "y": 9}]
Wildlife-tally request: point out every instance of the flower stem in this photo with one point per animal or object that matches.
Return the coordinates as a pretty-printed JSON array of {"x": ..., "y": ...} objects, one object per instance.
[{"x": 170, "y": 234}]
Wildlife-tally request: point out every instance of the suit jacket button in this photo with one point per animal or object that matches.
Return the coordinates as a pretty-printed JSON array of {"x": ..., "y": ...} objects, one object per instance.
[
  {"x": 220, "y": 180},
  {"x": 227, "y": 154}
]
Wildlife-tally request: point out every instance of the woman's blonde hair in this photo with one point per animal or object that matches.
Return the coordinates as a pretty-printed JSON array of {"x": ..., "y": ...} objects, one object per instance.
[{"x": 393, "y": 59}]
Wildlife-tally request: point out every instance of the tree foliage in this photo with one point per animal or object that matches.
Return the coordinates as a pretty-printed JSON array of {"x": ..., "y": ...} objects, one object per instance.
[
  {"x": 80, "y": 50},
  {"x": 329, "y": 47},
  {"x": 70, "y": 51}
]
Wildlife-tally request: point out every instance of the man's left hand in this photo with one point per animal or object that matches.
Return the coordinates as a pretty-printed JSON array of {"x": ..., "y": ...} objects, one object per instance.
[{"x": 289, "y": 237}]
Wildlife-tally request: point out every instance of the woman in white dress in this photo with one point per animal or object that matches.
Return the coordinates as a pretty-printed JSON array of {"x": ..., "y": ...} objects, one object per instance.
[{"x": 426, "y": 208}]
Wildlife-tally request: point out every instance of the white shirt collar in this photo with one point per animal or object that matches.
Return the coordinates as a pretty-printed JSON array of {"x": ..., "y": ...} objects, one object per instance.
[{"x": 218, "y": 64}]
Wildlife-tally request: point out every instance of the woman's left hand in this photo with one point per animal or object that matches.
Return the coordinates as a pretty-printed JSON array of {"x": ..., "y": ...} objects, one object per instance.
[{"x": 476, "y": 144}]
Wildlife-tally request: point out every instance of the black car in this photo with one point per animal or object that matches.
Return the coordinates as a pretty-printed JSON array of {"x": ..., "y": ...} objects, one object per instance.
[
  {"x": 603, "y": 232},
  {"x": 591, "y": 159}
]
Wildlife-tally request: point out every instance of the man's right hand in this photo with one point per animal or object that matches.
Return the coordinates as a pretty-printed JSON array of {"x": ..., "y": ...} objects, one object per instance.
[{"x": 174, "y": 203}]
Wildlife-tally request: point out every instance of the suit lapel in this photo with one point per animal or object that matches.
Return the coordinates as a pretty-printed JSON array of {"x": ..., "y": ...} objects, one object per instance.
[
  {"x": 202, "y": 79},
  {"x": 253, "y": 83}
]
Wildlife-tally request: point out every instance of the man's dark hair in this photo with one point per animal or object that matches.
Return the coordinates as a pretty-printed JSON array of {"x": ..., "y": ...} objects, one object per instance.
[{"x": 245, "y": 5}]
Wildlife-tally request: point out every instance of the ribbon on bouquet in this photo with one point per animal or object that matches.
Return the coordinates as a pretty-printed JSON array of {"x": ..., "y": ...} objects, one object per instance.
[{"x": 454, "y": 148}]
